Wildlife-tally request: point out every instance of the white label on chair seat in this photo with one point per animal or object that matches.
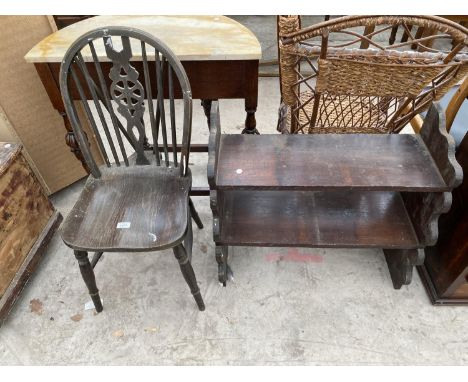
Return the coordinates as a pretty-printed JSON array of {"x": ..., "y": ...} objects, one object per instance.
[{"x": 123, "y": 225}]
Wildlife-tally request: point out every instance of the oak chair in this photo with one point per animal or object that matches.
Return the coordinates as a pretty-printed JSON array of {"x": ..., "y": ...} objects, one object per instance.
[
  {"x": 369, "y": 81},
  {"x": 134, "y": 202}
]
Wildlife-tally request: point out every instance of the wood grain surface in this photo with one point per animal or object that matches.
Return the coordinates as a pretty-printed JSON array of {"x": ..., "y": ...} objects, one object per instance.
[
  {"x": 24, "y": 211},
  {"x": 316, "y": 219},
  {"x": 151, "y": 201},
  {"x": 327, "y": 161}
]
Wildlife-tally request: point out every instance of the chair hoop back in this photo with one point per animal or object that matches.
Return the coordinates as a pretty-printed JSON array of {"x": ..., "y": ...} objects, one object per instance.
[{"x": 133, "y": 68}]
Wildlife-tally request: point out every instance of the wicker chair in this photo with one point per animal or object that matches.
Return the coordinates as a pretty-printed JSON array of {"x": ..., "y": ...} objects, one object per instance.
[{"x": 369, "y": 81}]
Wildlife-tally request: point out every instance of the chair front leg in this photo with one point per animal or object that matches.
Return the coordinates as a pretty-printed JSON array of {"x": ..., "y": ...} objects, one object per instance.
[
  {"x": 189, "y": 276},
  {"x": 87, "y": 273}
]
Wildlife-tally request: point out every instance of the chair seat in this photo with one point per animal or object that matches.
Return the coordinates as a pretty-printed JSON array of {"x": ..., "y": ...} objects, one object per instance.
[
  {"x": 337, "y": 115},
  {"x": 140, "y": 208}
]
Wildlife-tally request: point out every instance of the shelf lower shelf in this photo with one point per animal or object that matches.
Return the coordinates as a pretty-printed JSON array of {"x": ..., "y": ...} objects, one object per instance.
[{"x": 342, "y": 219}]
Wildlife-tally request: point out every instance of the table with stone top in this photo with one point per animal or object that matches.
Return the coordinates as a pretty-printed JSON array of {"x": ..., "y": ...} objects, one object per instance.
[{"x": 219, "y": 55}]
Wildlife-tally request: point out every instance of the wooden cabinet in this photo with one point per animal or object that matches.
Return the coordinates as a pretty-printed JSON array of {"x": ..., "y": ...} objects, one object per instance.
[
  {"x": 445, "y": 269},
  {"x": 27, "y": 223},
  {"x": 333, "y": 190}
]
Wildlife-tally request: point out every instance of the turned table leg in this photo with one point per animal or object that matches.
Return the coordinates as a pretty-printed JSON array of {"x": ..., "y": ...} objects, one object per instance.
[
  {"x": 206, "y": 104},
  {"x": 250, "y": 122},
  {"x": 71, "y": 142},
  {"x": 251, "y": 98}
]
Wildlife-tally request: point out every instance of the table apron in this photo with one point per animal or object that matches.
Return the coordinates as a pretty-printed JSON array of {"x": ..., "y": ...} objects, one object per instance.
[{"x": 208, "y": 79}]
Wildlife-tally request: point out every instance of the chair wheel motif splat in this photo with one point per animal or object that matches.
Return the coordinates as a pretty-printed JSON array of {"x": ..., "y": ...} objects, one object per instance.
[
  {"x": 128, "y": 93},
  {"x": 137, "y": 196},
  {"x": 354, "y": 74}
]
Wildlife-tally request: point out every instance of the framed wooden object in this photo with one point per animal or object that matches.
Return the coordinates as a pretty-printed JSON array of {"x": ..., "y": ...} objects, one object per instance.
[
  {"x": 27, "y": 222},
  {"x": 332, "y": 190},
  {"x": 219, "y": 55},
  {"x": 445, "y": 269}
]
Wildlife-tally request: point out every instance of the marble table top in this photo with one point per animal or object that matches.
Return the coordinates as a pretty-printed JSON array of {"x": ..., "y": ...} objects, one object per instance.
[{"x": 190, "y": 37}]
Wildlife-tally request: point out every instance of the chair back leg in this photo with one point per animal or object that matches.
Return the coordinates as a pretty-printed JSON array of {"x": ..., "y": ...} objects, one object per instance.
[{"x": 194, "y": 214}]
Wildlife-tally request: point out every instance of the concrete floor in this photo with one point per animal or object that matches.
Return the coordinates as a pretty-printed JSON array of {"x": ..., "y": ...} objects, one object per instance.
[{"x": 284, "y": 306}]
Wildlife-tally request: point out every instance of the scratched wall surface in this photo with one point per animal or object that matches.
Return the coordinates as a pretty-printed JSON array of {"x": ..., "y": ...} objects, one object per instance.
[{"x": 24, "y": 211}]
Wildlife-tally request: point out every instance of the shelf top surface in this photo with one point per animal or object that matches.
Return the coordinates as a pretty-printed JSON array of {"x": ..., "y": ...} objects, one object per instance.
[
  {"x": 190, "y": 37},
  {"x": 320, "y": 161}
]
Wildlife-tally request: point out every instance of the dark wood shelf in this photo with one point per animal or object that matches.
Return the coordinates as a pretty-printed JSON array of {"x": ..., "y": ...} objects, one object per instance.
[
  {"x": 315, "y": 219},
  {"x": 395, "y": 162},
  {"x": 332, "y": 190}
]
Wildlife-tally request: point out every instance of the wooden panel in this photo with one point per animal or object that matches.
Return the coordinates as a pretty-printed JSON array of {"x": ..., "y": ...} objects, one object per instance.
[
  {"x": 327, "y": 161},
  {"x": 424, "y": 209},
  {"x": 441, "y": 145},
  {"x": 153, "y": 201},
  {"x": 445, "y": 269},
  {"x": 316, "y": 219},
  {"x": 27, "y": 106},
  {"x": 28, "y": 266},
  {"x": 24, "y": 211}
]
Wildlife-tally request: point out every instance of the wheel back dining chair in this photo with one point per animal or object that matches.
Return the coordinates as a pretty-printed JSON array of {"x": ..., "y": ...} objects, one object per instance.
[
  {"x": 138, "y": 200},
  {"x": 353, "y": 75}
]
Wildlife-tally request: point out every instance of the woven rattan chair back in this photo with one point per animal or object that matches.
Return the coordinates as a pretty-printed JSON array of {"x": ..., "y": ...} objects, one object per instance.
[
  {"x": 137, "y": 66},
  {"x": 354, "y": 74}
]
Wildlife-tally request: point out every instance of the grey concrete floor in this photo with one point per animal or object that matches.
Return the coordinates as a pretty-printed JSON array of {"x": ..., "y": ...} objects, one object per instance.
[{"x": 284, "y": 306}]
